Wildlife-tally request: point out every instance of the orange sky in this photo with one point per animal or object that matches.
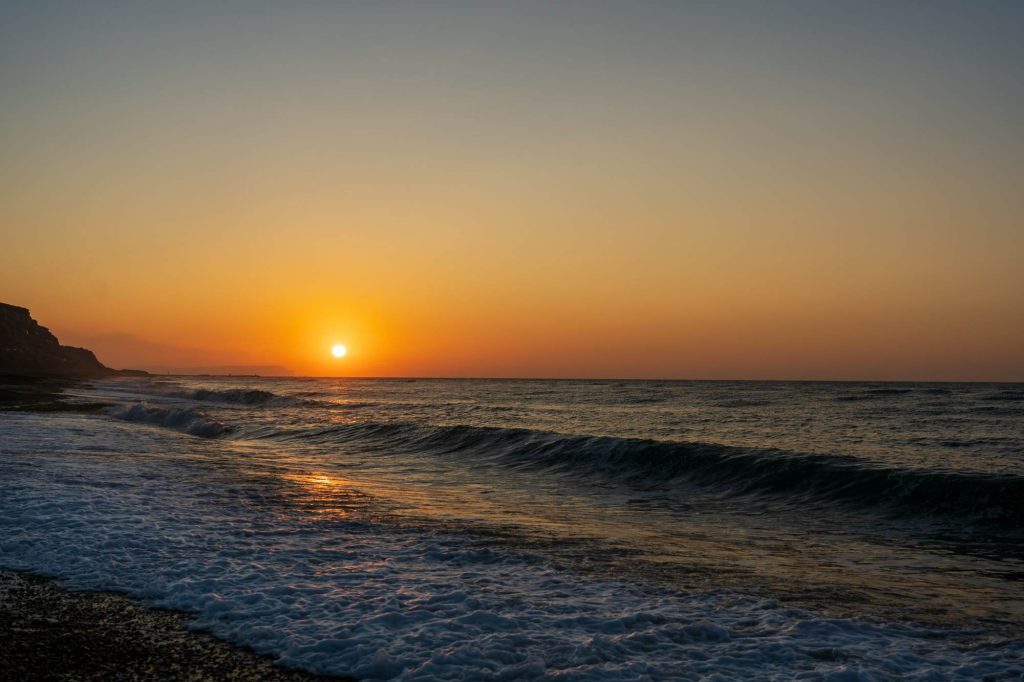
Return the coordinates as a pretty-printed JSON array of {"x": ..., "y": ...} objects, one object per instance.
[{"x": 448, "y": 194}]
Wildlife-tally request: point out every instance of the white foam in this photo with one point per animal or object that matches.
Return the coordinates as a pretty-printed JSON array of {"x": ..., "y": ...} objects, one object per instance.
[
  {"x": 186, "y": 420},
  {"x": 373, "y": 599}
]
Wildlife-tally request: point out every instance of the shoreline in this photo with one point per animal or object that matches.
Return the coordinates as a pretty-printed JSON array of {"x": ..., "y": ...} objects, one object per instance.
[
  {"x": 49, "y": 632},
  {"x": 736, "y": 572}
]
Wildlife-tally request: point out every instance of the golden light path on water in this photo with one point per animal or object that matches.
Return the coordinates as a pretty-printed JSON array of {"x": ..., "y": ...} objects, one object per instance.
[
  {"x": 401, "y": 511},
  {"x": 646, "y": 543}
]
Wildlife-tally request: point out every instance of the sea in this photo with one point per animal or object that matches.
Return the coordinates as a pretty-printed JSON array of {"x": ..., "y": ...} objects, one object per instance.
[{"x": 422, "y": 529}]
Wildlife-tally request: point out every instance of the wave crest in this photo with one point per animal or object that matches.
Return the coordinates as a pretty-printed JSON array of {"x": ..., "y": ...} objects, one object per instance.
[
  {"x": 794, "y": 477},
  {"x": 233, "y": 395},
  {"x": 188, "y": 421}
]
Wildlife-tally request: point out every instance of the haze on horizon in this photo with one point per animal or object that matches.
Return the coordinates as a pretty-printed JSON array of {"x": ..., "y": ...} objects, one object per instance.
[{"x": 667, "y": 190}]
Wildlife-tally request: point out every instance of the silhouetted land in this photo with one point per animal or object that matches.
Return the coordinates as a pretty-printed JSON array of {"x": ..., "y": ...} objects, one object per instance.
[{"x": 28, "y": 349}]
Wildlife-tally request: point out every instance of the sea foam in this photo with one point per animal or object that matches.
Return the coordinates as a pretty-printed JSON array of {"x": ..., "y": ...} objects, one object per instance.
[
  {"x": 360, "y": 599},
  {"x": 189, "y": 421},
  {"x": 473, "y": 530},
  {"x": 351, "y": 595}
]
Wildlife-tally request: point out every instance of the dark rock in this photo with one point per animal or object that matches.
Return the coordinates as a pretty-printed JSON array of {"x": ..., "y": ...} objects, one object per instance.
[{"x": 28, "y": 349}]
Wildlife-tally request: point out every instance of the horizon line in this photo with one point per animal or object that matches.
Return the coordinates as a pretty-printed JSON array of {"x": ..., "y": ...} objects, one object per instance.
[{"x": 621, "y": 379}]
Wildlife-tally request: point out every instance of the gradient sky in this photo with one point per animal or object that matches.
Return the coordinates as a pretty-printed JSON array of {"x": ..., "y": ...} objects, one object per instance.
[{"x": 804, "y": 190}]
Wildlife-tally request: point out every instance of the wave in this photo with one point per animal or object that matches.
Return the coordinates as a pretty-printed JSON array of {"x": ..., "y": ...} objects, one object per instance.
[
  {"x": 741, "y": 402},
  {"x": 243, "y": 396},
  {"x": 888, "y": 392},
  {"x": 799, "y": 478},
  {"x": 236, "y": 396},
  {"x": 1009, "y": 396},
  {"x": 998, "y": 410},
  {"x": 188, "y": 421},
  {"x": 643, "y": 399},
  {"x": 255, "y": 397}
]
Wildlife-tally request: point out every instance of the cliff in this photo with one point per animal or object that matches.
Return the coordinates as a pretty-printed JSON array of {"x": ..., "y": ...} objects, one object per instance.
[{"x": 28, "y": 349}]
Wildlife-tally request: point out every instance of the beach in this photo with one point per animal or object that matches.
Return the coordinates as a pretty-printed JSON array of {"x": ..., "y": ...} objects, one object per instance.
[
  {"x": 572, "y": 530},
  {"x": 50, "y": 633},
  {"x": 512, "y": 341}
]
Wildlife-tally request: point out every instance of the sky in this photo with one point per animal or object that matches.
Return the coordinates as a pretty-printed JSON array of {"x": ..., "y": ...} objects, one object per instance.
[{"x": 730, "y": 190}]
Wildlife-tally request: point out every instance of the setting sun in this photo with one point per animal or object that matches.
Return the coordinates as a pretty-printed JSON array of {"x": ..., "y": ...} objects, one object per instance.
[{"x": 663, "y": 315}]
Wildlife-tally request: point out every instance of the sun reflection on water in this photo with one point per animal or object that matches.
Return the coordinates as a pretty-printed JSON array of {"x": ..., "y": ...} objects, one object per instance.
[{"x": 323, "y": 494}]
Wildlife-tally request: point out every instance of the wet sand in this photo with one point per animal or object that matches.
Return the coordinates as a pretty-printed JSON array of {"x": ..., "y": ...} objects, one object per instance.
[
  {"x": 50, "y": 633},
  {"x": 39, "y": 394}
]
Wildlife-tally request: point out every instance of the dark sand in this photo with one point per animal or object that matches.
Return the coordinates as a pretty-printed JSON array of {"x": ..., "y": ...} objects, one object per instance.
[{"x": 49, "y": 633}]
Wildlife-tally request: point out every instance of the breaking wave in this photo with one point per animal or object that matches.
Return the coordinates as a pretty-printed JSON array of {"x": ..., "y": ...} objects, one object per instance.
[
  {"x": 796, "y": 477},
  {"x": 235, "y": 396},
  {"x": 251, "y": 397},
  {"x": 188, "y": 421}
]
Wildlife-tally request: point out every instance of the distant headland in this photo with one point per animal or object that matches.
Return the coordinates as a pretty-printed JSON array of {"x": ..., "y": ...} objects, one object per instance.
[
  {"x": 31, "y": 350},
  {"x": 223, "y": 370}
]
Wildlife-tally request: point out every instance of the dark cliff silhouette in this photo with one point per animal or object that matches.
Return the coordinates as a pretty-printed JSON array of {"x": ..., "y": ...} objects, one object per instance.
[{"x": 30, "y": 350}]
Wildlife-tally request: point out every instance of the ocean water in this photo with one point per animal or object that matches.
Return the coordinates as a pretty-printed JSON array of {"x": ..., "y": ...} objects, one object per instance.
[{"x": 571, "y": 530}]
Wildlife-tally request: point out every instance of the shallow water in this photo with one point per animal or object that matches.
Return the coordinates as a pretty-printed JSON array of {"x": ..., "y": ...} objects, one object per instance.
[{"x": 572, "y": 529}]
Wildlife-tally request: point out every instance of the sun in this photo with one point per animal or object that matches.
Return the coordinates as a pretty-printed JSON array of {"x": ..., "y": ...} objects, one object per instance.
[{"x": 339, "y": 351}]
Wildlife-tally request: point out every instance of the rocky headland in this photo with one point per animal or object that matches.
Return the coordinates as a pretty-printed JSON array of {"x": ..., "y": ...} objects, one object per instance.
[{"x": 28, "y": 349}]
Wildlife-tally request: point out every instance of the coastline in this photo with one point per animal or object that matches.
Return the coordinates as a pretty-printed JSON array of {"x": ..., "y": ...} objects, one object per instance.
[
  {"x": 41, "y": 394},
  {"x": 48, "y": 632},
  {"x": 262, "y": 543}
]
